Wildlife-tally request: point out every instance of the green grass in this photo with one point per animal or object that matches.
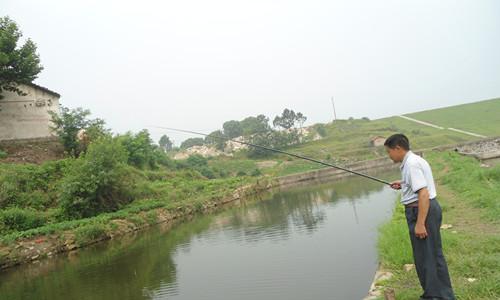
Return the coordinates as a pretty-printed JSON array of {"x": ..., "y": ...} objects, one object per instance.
[
  {"x": 348, "y": 141},
  {"x": 480, "y": 117},
  {"x": 469, "y": 197},
  {"x": 26, "y": 216},
  {"x": 233, "y": 166}
]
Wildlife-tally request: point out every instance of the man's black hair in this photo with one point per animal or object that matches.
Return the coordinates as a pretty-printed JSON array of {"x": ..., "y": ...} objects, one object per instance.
[{"x": 398, "y": 140}]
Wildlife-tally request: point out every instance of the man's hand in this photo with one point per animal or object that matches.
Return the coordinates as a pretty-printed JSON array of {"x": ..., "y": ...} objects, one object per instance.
[
  {"x": 420, "y": 231},
  {"x": 423, "y": 209},
  {"x": 396, "y": 185}
]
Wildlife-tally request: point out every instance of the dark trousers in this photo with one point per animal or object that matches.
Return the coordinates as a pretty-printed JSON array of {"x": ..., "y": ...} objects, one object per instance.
[{"x": 430, "y": 263}]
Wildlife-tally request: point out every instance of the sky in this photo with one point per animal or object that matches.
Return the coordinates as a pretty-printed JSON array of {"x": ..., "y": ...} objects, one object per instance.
[{"x": 194, "y": 64}]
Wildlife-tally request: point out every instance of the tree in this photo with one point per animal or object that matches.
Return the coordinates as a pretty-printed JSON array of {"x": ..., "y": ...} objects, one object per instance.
[
  {"x": 288, "y": 119},
  {"x": 217, "y": 139},
  {"x": 300, "y": 118},
  {"x": 98, "y": 181},
  {"x": 192, "y": 142},
  {"x": 70, "y": 122},
  {"x": 232, "y": 129},
  {"x": 140, "y": 149},
  {"x": 165, "y": 143},
  {"x": 252, "y": 125},
  {"x": 18, "y": 65}
]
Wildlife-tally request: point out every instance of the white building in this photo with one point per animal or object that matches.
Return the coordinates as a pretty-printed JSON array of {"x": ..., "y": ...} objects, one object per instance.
[{"x": 27, "y": 117}]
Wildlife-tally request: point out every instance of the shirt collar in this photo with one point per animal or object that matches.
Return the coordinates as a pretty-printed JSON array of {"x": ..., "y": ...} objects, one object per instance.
[{"x": 405, "y": 159}]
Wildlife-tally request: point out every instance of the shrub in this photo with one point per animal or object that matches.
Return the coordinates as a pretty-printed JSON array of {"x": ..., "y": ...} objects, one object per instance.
[
  {"x": 196, "y": 160},
  {"x": 99, "y": 181},
  {"x": 207, "y": 172},
  {"x": 31, "y": 185},
  {"x": 321, "y": 130},
  {"x": 3, "y": 154},
  {"x": 256, "y": 172},
  {"x": 141, "y": 150},
  {"x": 18, "y": 219}
]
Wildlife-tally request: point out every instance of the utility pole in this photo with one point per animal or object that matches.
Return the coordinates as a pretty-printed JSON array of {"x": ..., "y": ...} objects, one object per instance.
[{"x": 334, "y": 113}]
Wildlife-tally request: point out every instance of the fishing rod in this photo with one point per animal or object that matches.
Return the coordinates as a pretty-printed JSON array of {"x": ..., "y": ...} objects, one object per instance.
[{"x": 278, "y": 151}]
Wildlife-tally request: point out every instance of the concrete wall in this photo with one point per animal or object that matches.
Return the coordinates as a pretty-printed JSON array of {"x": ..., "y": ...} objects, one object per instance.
[{"x": 27, "y": 117}]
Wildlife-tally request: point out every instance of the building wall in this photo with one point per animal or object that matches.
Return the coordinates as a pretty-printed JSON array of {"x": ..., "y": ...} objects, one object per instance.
[{"x": 26, "y": 117}]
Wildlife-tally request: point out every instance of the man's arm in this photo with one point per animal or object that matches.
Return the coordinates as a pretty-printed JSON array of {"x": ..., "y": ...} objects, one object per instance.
[{"x": 423, "y": 209}]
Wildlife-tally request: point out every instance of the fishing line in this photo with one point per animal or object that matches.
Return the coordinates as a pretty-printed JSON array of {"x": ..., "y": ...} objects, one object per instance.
[{"x": 277, "y": 151}]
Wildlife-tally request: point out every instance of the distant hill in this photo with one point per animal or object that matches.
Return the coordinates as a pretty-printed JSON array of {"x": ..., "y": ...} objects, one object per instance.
[{"x": 481, "y": 117}]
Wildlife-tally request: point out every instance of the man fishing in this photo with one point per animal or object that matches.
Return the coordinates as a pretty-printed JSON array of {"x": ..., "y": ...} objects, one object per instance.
[{"x": 423, "y": 215}]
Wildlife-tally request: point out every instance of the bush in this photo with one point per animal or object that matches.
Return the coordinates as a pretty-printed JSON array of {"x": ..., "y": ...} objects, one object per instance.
[
  {"x": 31, "y": 185},
  {"x": 97, "y": 182},
  {"x": 141, "y": 150},
  {"x": 89, "y": 233},
  {"x": 192, "y": 142},
  {"x": 196, "y": 160},
  {"x": 256, "y": 172},
  {"x": 241, "y": 173},
  {"x": 3, "y": 154},
  {"x": 321, "y": 130},
  {"x": 207, "y": 172},
  {"x": 18, "y": 219}
]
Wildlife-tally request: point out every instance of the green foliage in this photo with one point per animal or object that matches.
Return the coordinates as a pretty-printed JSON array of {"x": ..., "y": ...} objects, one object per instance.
[
  {"x": 89, "y": 233},
  {"x": 272, "y": 139},
  {"x": 216, "y": 138},
  {"x": 479, "y": 185},
  {"x": 3, "y": 154},
  {"x": 482, "y": 117},
  {"x": 256, "y": 172},
  {"x": 261, "y": 139},
  {"x": 165, "y": 143},
  {"x": 196, "y": 160},
  {"x": 289, "y": 119},
  {"x": 232, "y": 129},
  {"x": 192, "y": 142},
  {"x": 70, "y": 122},
  {"x": 97, "y": 181},
  {"x": 393, "y": 242},
  {"x": 200, "y": 164},
  {"x": 31, "y": 185},
  {"x": 321, "y": 130},
  {"x": 253, "y": 125},
  {"x": 141, "y": 150},
  {"x": 18, "y": 219},
  {"x": 17, "y": 64}
]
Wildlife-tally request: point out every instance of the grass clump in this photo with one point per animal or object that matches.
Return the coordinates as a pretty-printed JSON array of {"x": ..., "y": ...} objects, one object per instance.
[{"x": 89, "y": 233}]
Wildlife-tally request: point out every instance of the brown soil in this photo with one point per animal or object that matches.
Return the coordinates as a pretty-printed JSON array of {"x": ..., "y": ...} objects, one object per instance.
[{"x": 32, "y": 151}]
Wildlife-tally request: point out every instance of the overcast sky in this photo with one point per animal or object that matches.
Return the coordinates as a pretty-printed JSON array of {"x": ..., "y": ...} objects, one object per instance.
[{"x": 194, "y": 64}]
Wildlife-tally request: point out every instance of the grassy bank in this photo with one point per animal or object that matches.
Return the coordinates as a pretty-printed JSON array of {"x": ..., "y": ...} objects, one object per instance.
[
  {"x": 468, "y": 195},
  {"x": 111, "y": 189},
  {"x": 481, "y": 117}
]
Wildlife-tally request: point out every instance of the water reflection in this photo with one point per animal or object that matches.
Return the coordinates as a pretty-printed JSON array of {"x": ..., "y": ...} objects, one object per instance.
[{"x": 280, "y": 248}]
